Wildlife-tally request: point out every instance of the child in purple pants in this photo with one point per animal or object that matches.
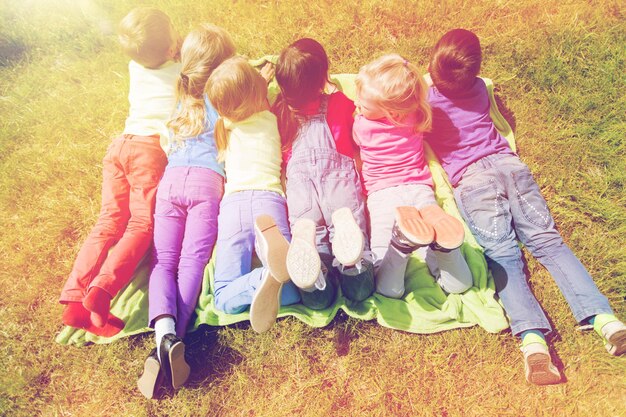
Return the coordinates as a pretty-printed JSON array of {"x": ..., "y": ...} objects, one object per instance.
[
  {"x": 501, "y": 203},
  {"x": 188, "y": 197},
  {"x": 253, "y": 213}
]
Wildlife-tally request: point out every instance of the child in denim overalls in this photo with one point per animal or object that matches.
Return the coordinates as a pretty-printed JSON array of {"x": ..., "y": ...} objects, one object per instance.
[
  {"x": 185, "y": 225},
  {"x": 502, "y": 203},
  {"x": 404, "y": 215},
  {"x": 253, "y": 213},
  {"x": 324, "y": 193},
  {"x": 132, "y": 168}
]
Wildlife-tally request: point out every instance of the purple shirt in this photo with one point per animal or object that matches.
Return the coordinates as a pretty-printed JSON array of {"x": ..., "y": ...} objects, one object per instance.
[
  {"x": 392, "y": 155},
  {"x": 463, "y": 131}
]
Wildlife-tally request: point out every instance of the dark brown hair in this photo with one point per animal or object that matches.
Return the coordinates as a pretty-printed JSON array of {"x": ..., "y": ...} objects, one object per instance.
[
  {"x": 301, "y": 73},
  {"x": 455, "y": 62}
]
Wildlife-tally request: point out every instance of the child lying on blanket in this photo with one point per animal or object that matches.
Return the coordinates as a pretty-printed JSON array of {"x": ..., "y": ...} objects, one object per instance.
[
  {"x": 502, "y": 203},
  {"x": 324, "y": 193},
  {"x": 404, "y": 215},
  {"x": 185, "y": 226},
  {"x": 132, "y": 168},
  {"x": 253, "y": 212}
]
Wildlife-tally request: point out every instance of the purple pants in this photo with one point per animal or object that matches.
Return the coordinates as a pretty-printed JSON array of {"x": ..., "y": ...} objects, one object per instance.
[
  {"x": 235, "y": 279},
  {"x": 185, "y": 230}
]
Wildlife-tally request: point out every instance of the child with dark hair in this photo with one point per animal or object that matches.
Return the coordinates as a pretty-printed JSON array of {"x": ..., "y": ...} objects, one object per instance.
[
  {"x": 502, "y": 204},
  {"x": 324, "y": 192}
]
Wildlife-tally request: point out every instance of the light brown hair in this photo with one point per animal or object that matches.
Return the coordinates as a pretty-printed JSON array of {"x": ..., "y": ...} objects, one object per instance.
[
  {"x": 237, "y": 91},
  {"x": 146, "y": 35},
  {"x": 203, "y": 50}
]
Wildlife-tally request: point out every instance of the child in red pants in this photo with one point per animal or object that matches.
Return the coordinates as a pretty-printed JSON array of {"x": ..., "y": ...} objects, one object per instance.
[{"x": 132, "y": 168}]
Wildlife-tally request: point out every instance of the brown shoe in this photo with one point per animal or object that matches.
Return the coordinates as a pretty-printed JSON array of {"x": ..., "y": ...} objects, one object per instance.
[
  {"x": 538, "y": 365},
  {"x": 150, "y": 380}
]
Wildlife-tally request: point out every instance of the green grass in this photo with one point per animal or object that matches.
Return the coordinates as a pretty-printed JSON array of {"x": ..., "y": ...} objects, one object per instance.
[{"x": 559, "y": 68}]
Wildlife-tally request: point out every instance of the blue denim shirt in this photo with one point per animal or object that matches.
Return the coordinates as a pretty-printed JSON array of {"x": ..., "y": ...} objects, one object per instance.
[{"x": 199, "y": 151}]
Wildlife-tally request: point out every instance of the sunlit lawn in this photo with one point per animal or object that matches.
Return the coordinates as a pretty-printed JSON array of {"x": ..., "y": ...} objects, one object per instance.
[{"x": 559, "y": 67}]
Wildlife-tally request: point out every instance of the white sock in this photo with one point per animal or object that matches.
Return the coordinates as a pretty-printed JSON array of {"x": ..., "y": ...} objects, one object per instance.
[{"x": 164, "y": 325}]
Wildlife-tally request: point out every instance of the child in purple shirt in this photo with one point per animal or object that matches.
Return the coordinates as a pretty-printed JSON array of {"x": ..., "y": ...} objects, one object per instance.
[{"x": 502, "y": 203}]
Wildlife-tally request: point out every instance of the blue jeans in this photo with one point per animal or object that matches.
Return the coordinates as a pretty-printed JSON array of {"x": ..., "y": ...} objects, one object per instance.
[
  {"x": 235, "y": 280},
  {"x": 501, "y": 203}
]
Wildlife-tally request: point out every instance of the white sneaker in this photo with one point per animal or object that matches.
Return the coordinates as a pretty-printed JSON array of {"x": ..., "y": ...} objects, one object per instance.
[
  {"x": 271, "y": 247},
  {"x": 348, "y": 240},
  {"x": 614, "y": 334},
  {"x": 538, "y": 365},
  {"x": 265, "y": 303},
  {"x": 272, "y": 251},
  {"x": 303, "y": 260}
]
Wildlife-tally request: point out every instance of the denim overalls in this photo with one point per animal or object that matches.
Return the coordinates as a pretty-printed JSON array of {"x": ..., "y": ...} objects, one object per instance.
[{"x": 320, "y": 180}]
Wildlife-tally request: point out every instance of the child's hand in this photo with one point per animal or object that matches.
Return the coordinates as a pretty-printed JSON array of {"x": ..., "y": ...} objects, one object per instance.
[
  {"x": 179, "y": 44},
  {"x": 330, "y": 88},
  {"x": 428, "y": 80},
  {"x": 268, "y": 71}
]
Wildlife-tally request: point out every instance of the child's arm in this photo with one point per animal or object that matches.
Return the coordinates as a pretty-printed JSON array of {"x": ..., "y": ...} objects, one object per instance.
[{"x": 268, "y": 71}]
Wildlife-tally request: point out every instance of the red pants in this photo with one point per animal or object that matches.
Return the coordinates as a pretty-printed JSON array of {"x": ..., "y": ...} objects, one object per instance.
[{"x": 132, "y": 168}]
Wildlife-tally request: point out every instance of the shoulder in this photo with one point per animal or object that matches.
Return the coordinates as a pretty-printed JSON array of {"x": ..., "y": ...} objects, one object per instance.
[{"x": 340, "y": 101}]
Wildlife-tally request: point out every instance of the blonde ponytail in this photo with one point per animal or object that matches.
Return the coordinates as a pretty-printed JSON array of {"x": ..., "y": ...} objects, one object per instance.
[
  {"x": 221, "y": 139},
  {"x": 202, "y": 51}
]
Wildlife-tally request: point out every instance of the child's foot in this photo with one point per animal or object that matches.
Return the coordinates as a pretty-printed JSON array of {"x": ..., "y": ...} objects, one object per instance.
[
  {"x": 348, "y": 240},
  {"x": 150, "y": 379},
  {"x": 410, "y": 231},
  {"x": 449, "y": 233},
  {"x": 77, "y": 316},
  {"x": 272, "y": 248},
  {"x": 538, "y": 365},
  {"x": 612, "y": 331},
  {"x": 320, "y": 297},
  {"x": 98, "y": 302},
  {"x": 265, "y": 303},
  {"x": 175, "y": 367},
  {"x": 358, "y": 283},
  {"x": 303, "y": 260}
]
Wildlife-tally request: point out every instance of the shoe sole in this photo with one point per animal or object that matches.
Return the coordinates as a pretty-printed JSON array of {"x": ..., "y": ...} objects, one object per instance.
[
  {"x": 348, "y": 241},
  {"x": 276, "y": 246},
  {"x": 616, "y": 344},
  {"x": 265, "y": 304},
  {"x": 179, "y": 368},
  {"x": 303, "y": 260},
  {"x": 149, "y": 379},
  {"x": 540, "y": 370},
  {"x": 449, "y": 232},
  {"x": 413, "y": 226}
]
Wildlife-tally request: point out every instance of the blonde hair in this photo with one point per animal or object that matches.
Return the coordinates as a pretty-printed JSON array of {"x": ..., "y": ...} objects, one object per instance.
[
  {"x": 237, "y": 91},
  {"x": 398, "y": 87},
  {"x": 203, "y": 50},
  {"x": 146, "y": 35}
]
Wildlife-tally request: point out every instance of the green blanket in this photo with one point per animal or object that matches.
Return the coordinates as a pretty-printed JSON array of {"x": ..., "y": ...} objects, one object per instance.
[{"x": 425, "y": 308}]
